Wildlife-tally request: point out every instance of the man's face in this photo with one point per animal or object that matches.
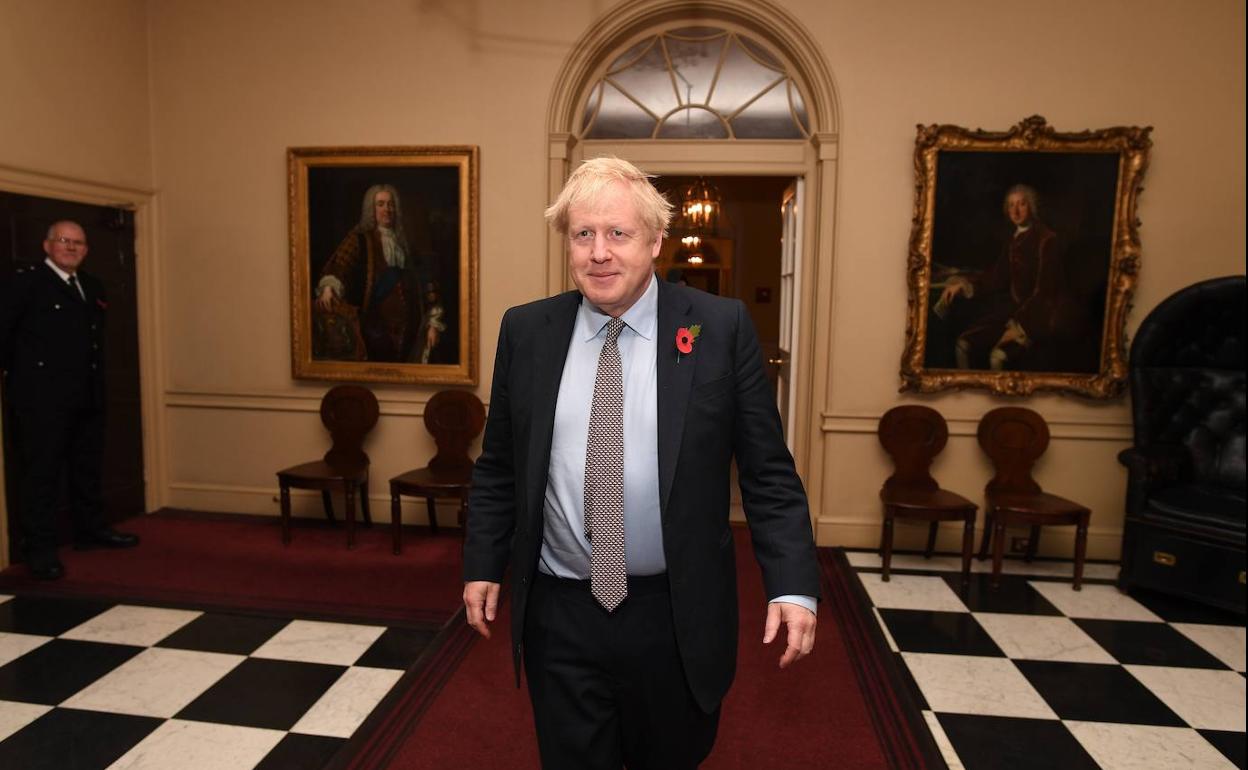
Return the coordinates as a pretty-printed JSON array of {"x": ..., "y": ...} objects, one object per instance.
[
  {"x": 1017, "y": 208},
  {"x": 610, "y": 251},
  {"x": 383, "y": 208},
  {"x": 66, "y": 246}
]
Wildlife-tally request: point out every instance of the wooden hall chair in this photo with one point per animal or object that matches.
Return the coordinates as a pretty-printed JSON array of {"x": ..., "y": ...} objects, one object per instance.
[
  {"x": 455, "y": 418},
  {"x": 1014, "y": 438},
  {"x": 913, "y": 436},
  {"x": 349, "y": 412}
]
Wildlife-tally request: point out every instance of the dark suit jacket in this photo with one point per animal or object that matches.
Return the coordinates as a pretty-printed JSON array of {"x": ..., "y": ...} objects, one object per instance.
[
  {"x": 713, "y": 404},
  {"x": 51, "y": 341}
]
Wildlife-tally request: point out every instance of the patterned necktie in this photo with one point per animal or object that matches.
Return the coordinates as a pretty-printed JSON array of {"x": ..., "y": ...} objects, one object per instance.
[
  {"x": 604, "y": 477},
  {"x": 73, "y": 284}
]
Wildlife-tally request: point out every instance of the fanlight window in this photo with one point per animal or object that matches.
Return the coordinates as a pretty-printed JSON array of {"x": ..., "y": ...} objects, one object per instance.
[{"x": 695, "y": 83}]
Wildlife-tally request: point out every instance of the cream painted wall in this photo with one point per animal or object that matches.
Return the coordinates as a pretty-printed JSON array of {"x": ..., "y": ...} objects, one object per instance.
[
  {"x": 73, "y": 90},
  {"x": 234, "y": 83}
]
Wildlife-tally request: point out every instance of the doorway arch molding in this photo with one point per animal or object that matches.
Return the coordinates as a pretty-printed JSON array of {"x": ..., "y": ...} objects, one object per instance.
[{"x": 813, "y": 160}]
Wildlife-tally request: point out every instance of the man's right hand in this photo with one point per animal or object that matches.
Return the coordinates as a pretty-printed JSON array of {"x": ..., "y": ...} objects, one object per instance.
[
  {"x": 481, "y": 604},
  {"x": 956, "y": 286},
  {"x": 326, "y": 300}
]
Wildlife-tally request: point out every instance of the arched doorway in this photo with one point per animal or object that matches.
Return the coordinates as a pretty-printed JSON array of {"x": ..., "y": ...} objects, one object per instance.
[{"x": 602, "y": 72}]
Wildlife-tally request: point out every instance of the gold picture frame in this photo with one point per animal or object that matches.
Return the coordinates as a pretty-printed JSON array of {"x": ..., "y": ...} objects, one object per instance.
[
  {"x": 1024, "y": 252},
  {"x": 384, "y": 264}
]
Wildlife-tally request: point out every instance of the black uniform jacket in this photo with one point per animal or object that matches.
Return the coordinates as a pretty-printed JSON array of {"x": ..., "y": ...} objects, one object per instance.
[{"x": 51, "y": 340}]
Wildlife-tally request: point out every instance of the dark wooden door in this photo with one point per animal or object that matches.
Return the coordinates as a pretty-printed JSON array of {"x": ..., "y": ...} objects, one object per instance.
[{"x": 24, "y": 220}]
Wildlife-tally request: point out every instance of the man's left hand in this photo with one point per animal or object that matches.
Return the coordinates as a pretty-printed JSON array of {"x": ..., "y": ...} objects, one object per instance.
[{"x": 799, "y": 624}]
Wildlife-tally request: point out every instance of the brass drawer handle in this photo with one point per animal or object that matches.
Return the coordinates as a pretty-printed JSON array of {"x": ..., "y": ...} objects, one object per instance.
[{"x": 1164, "y": 559}]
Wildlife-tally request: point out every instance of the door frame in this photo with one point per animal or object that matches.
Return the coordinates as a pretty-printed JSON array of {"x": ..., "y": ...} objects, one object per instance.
[
  {"x": 814, "y": 160},
  {"x": 143, "y": 203}
]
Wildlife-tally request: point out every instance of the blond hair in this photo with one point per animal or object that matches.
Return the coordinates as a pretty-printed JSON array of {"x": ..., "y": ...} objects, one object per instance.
[{"x": 589, "y": 183}]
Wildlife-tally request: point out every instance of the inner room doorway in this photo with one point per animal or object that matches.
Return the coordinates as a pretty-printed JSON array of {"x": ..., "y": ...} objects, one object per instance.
[{"x": 741, "y": 257}]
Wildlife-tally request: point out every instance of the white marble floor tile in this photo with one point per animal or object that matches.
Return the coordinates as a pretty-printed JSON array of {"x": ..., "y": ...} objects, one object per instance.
[
  {"x": 867, "y": 559},
  {"x": 1146, "y": 747},
  {"x": 967, "y": 684},
  {"x": 14, "y": 646},
  {"x": 1040, "y": 637},
  {"x": 311, "y": 641},
  {"x": 1226, "y": 643},
  {"x": 912, "y": 592},
  {"x": 5, "y": 597},
  {"x": 199, "y": 746},
  {"x": 1046, "y": 568},
  {"x": 14, "y": 716},
  {"x": 344, "y": 705},
  {"x": 127, "y": 624},
  {"x": 943, "y": 743},
  {"x": 1205, "y": 699},
  {"x": 155, "y": 683},
  {"x": 888, "y": 635},
  {"x": 1094, "y": 601},
  {"x": 916, "y": 562}
]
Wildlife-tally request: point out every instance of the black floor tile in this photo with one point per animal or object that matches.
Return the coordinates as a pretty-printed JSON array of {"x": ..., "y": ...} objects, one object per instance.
[
  {"x": 54, "y": 671},
  {"x": 1174, "y": 609},
  {"x": 1096, "y": 693},
  {"x": 1230, "y": 744},
  {"x": 263, "y": 693},
  {"x": 46, "y": 616},
  {"x": 396, "y": 648},
  {"x": 1148, "y": 644},
  {"x": 992, "y": 743},
  {"x": 69, "y": 738},
  {"x": 300, "y": 752},
  {"x": 1013, "y": 595},
  {"x": 911, "y": 686},
  {"x": 220, "y": 632},
  {"x": 953, "y": 633}
]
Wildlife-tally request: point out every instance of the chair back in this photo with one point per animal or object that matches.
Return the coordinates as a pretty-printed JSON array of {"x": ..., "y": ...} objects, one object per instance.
[
  {"x": 349, "y": 412},
  {"x": 455, "y": 418},
  {"x": 912, "y": 435},
  {"x": 1187, "y": 379},
  {"x": 1013, "y": 437}
]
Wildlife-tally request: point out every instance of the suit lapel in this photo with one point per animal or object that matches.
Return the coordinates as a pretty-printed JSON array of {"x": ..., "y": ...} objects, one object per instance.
[
  {"x": 550, "y": 353},
  {"x": 675, "y": 380}
]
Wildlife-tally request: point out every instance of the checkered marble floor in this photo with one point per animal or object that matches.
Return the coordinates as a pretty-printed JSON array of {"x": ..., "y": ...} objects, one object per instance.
[
  {"x": 1035, "y": 675},
  {"x": 95, "y": 684}
]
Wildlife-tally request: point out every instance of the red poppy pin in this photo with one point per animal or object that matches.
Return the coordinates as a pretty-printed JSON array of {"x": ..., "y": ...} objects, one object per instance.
[
  {"x": 101, "y": 304},
  {"x": 684, "y": 339}
]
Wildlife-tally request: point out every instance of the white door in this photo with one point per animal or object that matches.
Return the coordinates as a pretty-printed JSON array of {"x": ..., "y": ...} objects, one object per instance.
[{"x": 790, "y": 291}]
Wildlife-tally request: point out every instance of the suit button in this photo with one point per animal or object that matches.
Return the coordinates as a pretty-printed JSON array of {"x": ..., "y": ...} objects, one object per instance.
[
  {"x": 38, "y": 363},
  {"x": 56, "y": 307},
  {"x": 92, "y": 327},
  {"x": 95, "y": 346},
  {"x": 93, "y": 366}
]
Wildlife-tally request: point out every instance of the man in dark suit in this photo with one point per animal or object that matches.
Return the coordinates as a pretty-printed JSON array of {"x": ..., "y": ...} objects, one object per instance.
[
  {"x": 615, "y": 414},
  {"x": 52, "y": 353}
]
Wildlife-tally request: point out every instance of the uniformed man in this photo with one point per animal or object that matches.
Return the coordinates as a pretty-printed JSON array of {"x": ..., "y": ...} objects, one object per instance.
[{"x": 52, "y": 353}]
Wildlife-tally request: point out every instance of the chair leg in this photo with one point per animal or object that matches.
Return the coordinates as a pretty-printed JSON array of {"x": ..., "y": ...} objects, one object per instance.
[
  {"x": 349, "y": 491},
  {"x": 989, "y": 520},
  {"x": 931, "y": 540},
  {"x": 998, "y": 551},
  {"x": 368, "y": 519},
  {"x": 285, "y": 495},
  {"x": 968, "y": 544},
  {"x": 1033, "y": 543},
  {"x": 396, "y": 519},
  {"x": 1081, "y": 550},
  {"x": 327, "y": 500},
  {"x": 886, "y": 545},
  {"x": 431, "y": 505}
]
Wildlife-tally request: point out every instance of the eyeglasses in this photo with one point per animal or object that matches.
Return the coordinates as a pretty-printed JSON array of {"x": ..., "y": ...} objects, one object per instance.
[{"x": 69, "y": 242}]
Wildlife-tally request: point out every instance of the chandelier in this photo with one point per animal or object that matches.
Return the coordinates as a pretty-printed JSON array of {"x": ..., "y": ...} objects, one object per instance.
[{"x": 699, "y": 208}]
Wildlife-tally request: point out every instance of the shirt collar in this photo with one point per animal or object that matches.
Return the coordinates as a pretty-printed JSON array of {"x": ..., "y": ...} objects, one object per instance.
[
  {"x": 64, "y": 275},
  {"x": 642, "y": 317}
]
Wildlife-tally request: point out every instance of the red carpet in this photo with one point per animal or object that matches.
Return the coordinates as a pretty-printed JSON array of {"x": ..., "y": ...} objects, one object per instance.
[
  {"x": 240, "y": 562},
  {"x": 812, "y": 715}
]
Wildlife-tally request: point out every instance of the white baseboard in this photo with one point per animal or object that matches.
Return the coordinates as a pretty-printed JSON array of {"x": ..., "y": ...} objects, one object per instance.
[{"x": 303, "y": 503}]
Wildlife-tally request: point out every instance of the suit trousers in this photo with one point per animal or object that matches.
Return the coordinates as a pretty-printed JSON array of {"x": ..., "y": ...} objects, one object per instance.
[
  {"x": 49, "y": 441},
  {"x": 608, "y": 689}
]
